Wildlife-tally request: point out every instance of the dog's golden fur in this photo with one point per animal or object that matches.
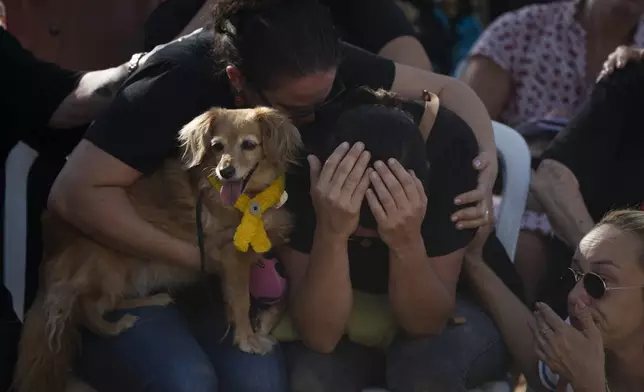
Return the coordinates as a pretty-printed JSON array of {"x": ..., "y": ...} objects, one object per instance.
[{"x": 83, "y": 279}]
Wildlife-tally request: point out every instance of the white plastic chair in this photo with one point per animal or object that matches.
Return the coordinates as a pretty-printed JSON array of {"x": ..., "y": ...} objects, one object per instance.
[
  {"x": 460, "y": 68},
  {"x": 515, "y": 166}
]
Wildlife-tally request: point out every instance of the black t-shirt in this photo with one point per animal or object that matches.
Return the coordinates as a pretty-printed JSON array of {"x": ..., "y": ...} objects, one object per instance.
[
  {"x": 180, "y": 82},
  {"x": 603, "y": 144},
  {"x": 32, "y": 89},
  {"x": 369, "y": 24},
  {"x": 451, "y": 147}
]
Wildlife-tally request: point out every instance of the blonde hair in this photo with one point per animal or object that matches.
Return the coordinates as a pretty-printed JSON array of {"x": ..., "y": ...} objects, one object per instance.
[{"x": 627, "y": 221}]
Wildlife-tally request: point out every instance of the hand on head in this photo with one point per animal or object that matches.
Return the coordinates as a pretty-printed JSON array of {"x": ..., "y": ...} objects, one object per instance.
[
  {"x": 398, "y": 202},
  {"x": 338, "y": 187}
]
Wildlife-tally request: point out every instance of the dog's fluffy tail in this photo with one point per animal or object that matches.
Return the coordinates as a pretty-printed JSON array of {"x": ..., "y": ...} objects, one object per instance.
[{"x": 48, "y": 344}]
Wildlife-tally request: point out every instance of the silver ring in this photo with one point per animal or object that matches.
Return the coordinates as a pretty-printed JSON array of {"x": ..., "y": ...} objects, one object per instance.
[
  {"x": 544, "y": 331},
  {"x": 487, "y": 214}
]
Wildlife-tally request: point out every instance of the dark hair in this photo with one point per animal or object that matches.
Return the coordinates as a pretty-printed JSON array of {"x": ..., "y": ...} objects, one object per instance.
[
  {"x": 271, "y": 39},
  {"x": 386, "y": 131}
]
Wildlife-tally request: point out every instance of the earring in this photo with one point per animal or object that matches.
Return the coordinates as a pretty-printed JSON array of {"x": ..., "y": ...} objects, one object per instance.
[{"x": 239, "y": 100}]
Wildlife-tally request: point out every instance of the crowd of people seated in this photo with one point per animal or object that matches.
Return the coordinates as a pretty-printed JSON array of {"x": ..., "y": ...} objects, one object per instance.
[
  {"x": 534, "y": 69},
  {"x": 391, "y": 194}
]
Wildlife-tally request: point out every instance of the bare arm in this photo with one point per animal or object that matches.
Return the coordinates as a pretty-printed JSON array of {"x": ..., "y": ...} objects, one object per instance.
[
  {"x": 406, "y": 50},
  {"x": 422, "y": 290},
  {"x": 454, "y": 94},
  {"x": 509, "y": 314},
  {"x": 490, "y": 82},
  {"x": 91, "y": 97},
  {"x": 90, "y": 194},
  {"x": 556, "y": 189},
  {"x": 321, "y": 297}
]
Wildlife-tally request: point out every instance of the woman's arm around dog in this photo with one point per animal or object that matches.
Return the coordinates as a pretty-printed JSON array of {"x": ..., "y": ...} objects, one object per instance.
[{"x": 121, "y": 146}]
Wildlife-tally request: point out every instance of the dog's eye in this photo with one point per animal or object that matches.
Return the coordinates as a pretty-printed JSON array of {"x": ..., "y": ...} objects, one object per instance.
[
  {"x": 248, "y": 145},
  {"x": 217, "y": 146}
]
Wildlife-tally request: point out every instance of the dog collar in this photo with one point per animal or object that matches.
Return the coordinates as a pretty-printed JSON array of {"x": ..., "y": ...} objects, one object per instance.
[{"x": 251, "y": 231}]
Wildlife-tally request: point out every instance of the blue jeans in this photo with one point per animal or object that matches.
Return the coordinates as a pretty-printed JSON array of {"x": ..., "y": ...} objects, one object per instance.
[
  {"x": 462, "y": 357},
  {"x": 178, "y": 348}
]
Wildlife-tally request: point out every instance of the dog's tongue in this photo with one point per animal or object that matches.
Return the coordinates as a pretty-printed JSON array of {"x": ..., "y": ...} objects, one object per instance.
[{"x": 230, "y": 192}]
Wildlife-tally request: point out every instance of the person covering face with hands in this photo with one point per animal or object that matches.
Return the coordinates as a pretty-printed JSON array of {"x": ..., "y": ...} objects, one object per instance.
[
  {"x": 599, "y": 347},
  {"x": 379, "y": 222},
  {"x": 398, "y": 202},
  {"x": 396, "y": 198},
  {"x": 574, "y": 353},
  {"x": 338, "y": 187}
]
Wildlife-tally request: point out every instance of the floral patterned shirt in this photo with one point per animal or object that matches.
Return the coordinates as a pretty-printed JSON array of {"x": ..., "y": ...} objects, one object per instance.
[{"x": 543, "y": 47}]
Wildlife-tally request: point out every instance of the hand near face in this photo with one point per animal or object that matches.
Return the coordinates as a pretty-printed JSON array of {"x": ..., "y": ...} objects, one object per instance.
[
  {"x": 576, "y": 355},
  {"x": 338, "y": 188},
  {"x": 398, "y": 202}
]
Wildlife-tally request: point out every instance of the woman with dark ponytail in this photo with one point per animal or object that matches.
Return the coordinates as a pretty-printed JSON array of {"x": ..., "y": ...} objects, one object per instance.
[{"x": 279, "y": 53}]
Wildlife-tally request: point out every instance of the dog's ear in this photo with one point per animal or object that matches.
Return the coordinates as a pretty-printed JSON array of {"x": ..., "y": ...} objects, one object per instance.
[
  {"x": 280, "y": 138},
  {"x": 194, "y": 138}
]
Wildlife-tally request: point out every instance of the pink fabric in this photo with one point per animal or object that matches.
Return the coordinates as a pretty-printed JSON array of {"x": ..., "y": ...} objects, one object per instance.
[
  {"x": 543, "y": 47},
  {"x": 265, "y": 281},
  {"x": 530, "y": 220}
]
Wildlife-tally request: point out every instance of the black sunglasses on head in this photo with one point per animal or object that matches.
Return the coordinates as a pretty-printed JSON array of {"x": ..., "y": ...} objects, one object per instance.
[{"x": 594, "y": 284}]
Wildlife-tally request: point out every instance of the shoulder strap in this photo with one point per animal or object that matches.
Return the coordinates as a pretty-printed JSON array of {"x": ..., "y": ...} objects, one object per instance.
[{"x": 432, "y": 104}]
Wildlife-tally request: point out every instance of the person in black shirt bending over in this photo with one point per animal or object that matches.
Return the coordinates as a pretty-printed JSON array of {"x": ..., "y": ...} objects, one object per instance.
[
  {"x": 279, "y": 53},
  {"x": 376, "y": 217},
  {"x": 592, "y": 167}
]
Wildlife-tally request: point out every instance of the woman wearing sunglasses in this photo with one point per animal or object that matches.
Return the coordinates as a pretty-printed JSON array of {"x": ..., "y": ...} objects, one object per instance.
[{"x": 600, "y": 347}]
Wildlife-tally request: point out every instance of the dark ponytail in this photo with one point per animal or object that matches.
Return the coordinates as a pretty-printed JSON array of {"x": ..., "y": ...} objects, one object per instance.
[{"x": 269, "y": 40}]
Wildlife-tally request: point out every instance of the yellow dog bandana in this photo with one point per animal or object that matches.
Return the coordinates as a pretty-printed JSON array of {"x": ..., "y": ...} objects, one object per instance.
[{"x": 250, "y": 231}]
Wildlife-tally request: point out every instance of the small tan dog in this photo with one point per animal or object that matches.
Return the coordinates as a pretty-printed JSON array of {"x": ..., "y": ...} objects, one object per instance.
[{"x": 228, "y": 156}]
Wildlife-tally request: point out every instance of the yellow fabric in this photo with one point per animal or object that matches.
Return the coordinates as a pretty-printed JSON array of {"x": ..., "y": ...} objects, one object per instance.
[
  {"x": 370, "y": 322},
  {"x": 251, "y": 232}
]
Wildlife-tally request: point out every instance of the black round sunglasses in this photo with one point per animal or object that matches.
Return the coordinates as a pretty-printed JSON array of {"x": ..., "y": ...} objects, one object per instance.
[{"x": 594, "y": 284}]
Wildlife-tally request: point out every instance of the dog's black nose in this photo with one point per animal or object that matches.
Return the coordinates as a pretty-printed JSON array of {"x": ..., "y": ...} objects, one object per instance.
[{"x": 227, "y": 172}]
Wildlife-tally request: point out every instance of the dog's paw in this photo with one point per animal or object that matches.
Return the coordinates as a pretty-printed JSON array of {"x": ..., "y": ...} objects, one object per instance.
[
  {"x": 255, "y": 343},
  {"x": 126, "y": 322}
]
